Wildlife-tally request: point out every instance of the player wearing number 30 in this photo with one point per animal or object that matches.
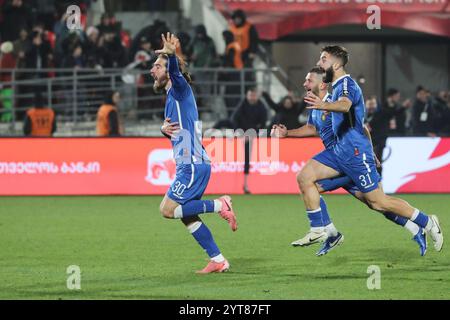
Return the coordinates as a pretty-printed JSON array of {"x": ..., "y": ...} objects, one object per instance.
[{"x": 193, "y": 168}]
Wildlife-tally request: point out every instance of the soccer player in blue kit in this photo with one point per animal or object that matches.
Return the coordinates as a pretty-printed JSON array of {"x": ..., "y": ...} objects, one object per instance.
[
  {"x": 193, "y": 168},
  {"x": 319, "y": 123},
  {"x": 352, "y": 153}
]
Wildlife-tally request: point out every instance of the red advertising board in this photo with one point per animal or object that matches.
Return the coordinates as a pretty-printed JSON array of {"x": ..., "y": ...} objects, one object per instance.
[
  {"x": 277, "y": 18},
  {"x": 101, "y": 166}
]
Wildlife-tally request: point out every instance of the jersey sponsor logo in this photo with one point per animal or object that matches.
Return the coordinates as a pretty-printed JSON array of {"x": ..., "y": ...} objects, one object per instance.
[{"x": 161, "y": 168}]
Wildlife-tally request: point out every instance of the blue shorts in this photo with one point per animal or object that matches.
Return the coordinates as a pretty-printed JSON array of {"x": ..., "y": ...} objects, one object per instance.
[
  {"x": 190, "y": 182},
  {"x": 327, "y": 158},
  {"x": 360, "y": 169}
]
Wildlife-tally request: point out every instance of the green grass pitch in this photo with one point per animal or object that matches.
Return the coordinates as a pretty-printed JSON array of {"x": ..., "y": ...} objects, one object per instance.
[{"x": 126, "y": 250}]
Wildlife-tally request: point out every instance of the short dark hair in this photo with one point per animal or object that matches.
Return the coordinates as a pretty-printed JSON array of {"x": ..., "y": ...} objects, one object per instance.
[
  {"x": 392, "y": 92},
  {"x": 317, "y": 70},
  {"x": 338, "y": 52},
  {"x": 420, "y": 88}
]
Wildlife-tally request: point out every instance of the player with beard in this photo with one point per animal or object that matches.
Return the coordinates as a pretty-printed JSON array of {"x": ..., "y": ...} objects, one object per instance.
[
  {"x": 193, "y": 168},
  {"x": 319, "y": 123},
  {"x": 352, "y": 153}
]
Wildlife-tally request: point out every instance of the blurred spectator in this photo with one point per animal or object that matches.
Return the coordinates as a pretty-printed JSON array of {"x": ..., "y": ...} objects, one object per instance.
[
  {"x": 38, "y": 55},
  {"x": 232, "y": 59},
  {"x": 396, "y": 112},
  {"x": 76, "y": 59},
  {"x": 7, "y": 61},
  {"x": 382, "y": 121},
  {"x": 90, "y": 46},
  {"x": 184, "y": 50},
  {"x": 40, "y": 121},
  {"x": 246, "y": 35},
  {"x": 250, "y": 114},
  {"x": 441, "y": 108},
  {"x": 233, "y": 53},
  {"x": 16, "y": 16},
  {"x": 108, "y": 124},
  {"x": 204, "y": 55},
  {"x": 145, "y": 54},
  {"x": 21, "y": 47},
  {"x": 143, "y": 60},
  {"x": 422, "y": 116},
  {"x": 108, "y": 24},
  {"x": 113, "y": 54},
  {"x": 287, "y": 111},
  {"x": 152, "y": 32},
  {"x": 203, "y": 49}
]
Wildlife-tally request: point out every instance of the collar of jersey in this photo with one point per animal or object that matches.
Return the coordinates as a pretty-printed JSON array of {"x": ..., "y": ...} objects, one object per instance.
[
  {"x": 326, "y": 97},
  {"x": 340, "y": 78}
]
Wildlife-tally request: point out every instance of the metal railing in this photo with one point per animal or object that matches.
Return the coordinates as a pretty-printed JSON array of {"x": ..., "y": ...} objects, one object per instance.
[{"x": 76, "y": 94}]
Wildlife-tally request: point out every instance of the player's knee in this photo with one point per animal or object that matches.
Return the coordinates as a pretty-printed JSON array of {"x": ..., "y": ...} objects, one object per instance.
[
  {"x": 304, "y": 179},
  {"x": 166, "y": 212}
]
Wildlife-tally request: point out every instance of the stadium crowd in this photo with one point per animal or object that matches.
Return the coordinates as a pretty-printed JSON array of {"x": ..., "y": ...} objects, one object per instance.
[{"x": 34, "y": 36}]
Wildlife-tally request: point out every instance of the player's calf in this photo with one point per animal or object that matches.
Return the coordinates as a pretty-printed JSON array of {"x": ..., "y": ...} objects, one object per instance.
[{"x": 166, "y": 211}]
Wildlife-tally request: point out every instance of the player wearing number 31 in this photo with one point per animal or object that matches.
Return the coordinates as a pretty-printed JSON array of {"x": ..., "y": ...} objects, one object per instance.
[{"x": 193, "y": 168}]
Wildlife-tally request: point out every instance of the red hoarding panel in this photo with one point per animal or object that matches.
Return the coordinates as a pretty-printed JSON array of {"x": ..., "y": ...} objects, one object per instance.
[{"x": 89, "y": 166}]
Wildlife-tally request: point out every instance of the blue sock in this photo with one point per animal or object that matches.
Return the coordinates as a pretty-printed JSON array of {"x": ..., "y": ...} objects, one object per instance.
[
  {"x": 315, "y": 218},
  {"x": 204, "y": 238},
  {"x": 194, "y": 208},
  {"x": 420, "y": 218},
  {"x": 401, "y": 221},
  {"x": 325, "y": 216}
]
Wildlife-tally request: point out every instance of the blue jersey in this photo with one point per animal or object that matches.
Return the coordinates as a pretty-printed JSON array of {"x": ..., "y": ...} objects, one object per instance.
[
  {"x": 348, "y": 127},
  {"x": 182, "y": 108},
  {"x": 321, "y": 120}
]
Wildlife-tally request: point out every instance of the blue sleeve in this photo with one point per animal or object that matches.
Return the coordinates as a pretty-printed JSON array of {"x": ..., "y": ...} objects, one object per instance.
[
  {"x": 179, "y": 83},
  {"x": 349, "y": 90}
]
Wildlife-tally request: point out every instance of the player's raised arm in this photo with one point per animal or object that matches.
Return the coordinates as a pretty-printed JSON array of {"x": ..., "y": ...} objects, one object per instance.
[{"x": 170, "y": 44}]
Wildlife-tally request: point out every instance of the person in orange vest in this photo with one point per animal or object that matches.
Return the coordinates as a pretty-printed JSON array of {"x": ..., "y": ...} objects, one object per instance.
[
  {"x": 232, "y": 59},
  {"x": 40, "y": 121},
  {"x": 233, "y": 52},
  {"x": 246, "y": 35},
  {"x": 108, "y": 116}
]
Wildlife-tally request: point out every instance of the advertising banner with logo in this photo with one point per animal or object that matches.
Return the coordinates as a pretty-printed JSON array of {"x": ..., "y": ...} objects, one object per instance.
[{"x": 139, "y": 166}]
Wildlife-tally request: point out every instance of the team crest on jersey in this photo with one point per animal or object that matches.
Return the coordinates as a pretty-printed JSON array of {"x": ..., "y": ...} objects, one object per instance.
[{"x": 324, "y": 116}]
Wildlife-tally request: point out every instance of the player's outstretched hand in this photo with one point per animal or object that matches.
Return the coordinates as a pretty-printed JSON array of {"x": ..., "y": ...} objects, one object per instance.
[
  {"x": 170, "y": 44},
  {"x": 279, "y": 131},
  {"x": 169, "y": 128},
  {"x": 314, "y": 101}
]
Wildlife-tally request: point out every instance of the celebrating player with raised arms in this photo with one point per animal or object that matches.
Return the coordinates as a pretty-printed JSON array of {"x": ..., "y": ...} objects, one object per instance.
[{"x": 193, "y": 168}]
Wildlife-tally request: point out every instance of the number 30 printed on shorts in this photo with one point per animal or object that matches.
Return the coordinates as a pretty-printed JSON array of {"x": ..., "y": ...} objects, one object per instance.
[{"x": 178, "y": 188}]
